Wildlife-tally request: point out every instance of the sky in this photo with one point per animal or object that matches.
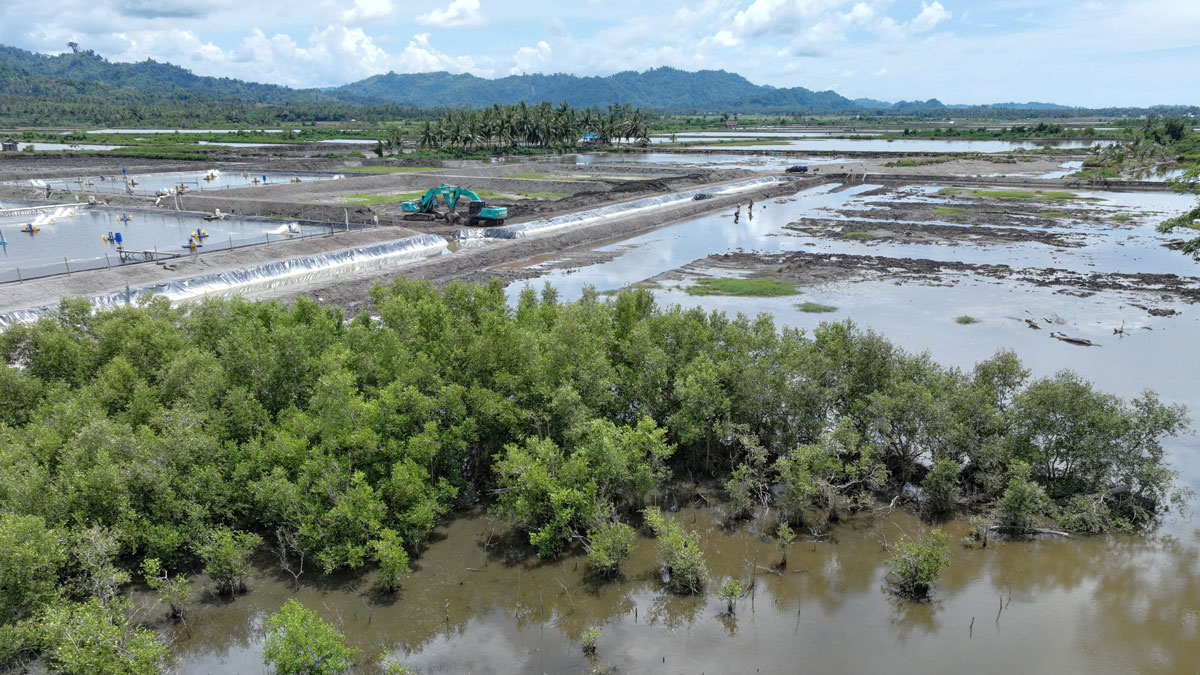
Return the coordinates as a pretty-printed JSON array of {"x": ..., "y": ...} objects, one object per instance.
[{"x": 1092, "y": 53}]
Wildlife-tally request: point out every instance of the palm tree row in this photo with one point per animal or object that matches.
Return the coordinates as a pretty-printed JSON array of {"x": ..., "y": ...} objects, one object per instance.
[{"x": 541, "y": 125}]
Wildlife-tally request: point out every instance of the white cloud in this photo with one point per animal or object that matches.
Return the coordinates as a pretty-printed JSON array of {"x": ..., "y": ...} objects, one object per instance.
[
  {"x": 420, "y": 57},
  {"x": 365, "y": 11},
  {"x": 531, "y": 59},
  {"x": 930, "y": 16},
  {"x": 458, "y": 14}
]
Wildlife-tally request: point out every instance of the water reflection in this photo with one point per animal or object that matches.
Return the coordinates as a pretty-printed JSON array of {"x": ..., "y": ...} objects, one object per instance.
[{"x": 1106, "y": 604}]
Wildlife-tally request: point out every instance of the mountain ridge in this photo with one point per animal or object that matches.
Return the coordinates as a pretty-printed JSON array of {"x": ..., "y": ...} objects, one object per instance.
[{"x": 83, "y": 75}]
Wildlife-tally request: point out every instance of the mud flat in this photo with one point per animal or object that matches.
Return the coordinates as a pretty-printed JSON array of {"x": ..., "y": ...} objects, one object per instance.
[{"x": 810, "y": 269}]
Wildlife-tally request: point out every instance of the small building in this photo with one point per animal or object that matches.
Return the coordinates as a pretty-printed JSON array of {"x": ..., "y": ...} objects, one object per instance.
[
  {"x": 589, "y": 139},
  {"x": 8, "y": 145},
  {"x": 730, "y": 124}
]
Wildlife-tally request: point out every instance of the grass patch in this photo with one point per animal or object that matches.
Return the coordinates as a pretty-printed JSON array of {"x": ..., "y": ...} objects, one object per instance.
[
  {"x": 815, "y": 308},
  {"x": 388, "y": 169},
  {"x": 1009, "y": 194},
  {"x": 363, "y": 198},
  {"x": 1054, "y": 214},
  {"x": 965, "y": 320},
  {"x": 1122, "y": 217},
  {"x": 761, "y": 287},
  {"x": 544, "y": 195},
  {"x": 921, "y": 161},
  {"x": 649, "y": 285},
  {"x": 1095, "y": 174},
  {"x": 949, "y": 211},
  {"x": 856, "y": 235}
]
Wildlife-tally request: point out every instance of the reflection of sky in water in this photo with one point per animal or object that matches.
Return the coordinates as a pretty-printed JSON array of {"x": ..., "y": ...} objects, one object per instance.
[
  {"x": 150, "y": 183},
  {"x": 78, "y": 237}
]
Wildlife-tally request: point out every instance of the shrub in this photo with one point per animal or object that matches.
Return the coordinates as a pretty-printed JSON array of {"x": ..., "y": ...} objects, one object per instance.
[
  {"x": 609, "y": 543},
  {"x": 730, "y": 591},
  {"x": 917, "y": 564},
  {"x": 391, "y": 557},
  {"x": 941, "y": 486},
  {"x": 226, "y": 555},
  {"x": 678, "y": 552},
  {"x": 784, "y": 536},
  {"x": 301, "y": 643},
  {"x": 1022, "y": 499},
  {"x": 589, "y": 639},
  {"x": 175, "y": 592}
]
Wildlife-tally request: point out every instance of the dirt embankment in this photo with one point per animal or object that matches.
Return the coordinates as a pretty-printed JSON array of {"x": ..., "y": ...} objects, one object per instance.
[{"x": 530, "y": 257}]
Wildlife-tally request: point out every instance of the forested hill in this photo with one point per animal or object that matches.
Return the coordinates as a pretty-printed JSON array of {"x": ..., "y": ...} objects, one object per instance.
[
  {"x": 662, "y": 88},
  {"x": 85, "y": 73}
]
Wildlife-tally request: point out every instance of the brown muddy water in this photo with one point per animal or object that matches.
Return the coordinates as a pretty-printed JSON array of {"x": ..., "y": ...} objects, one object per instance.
[{"x": 478, "y": 602}]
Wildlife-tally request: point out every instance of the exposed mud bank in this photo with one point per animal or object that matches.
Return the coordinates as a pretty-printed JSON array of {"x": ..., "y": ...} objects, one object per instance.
[{"x": 808, "y": 269}]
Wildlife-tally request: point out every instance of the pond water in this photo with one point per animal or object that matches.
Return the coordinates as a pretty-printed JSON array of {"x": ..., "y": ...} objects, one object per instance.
[
  {"x": 479, "y": 602},
  {"x": 39, "y": 145},
  {"x": 183, "y": 131},
  {"x": 75, "y": 233},
  {"x": 151, "y": 183},
  {"x": 910, "y": 145},
  {"x": 713, "y": 161}
]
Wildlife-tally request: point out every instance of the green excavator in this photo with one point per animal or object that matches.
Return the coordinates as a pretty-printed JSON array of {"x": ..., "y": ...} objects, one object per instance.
[{"x": 478, "y": 212}]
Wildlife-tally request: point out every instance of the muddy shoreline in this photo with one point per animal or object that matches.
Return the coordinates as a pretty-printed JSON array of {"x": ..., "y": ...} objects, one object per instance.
[{"x": 810, "y": 269}]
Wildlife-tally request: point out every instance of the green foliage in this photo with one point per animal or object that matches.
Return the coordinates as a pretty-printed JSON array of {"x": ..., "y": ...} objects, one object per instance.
[
  {"x": 749, "y": 486},
  {"x": 175, "y": 592},
  {"x": 1090, "y": 514},
  {"x": 31, "y": 556},
  {"x": 816, "y": 308},
  {"x": 93, "y": 637},
  {"x": 555, "y": 495},
  {"x": 941, "y": 487},
  {"x": 301, "y": 643},
  {"x": 678, "y": 552},
  {"x": 784, "y": 536},
  {"x": 837, "y": 472},
  {"x": 1042, "y": 195},
  {"x": 1022, "y": 500},
  {"x": 1189, "y": 182},
  {"x": 391, "y": 558},
  {"x": 730, "y": 591},
  {"x": 965, "y": 320},
  {"x": 759, "y": 287},
  {"x": 226, "y": 555},
  {"x": 1080, "y": 441},
  {"x": 918, "y": 563},
  {"x": 393, "y": 666},
  {"x": 589, "y": 638},
  {"x": 608, "y": 543}
]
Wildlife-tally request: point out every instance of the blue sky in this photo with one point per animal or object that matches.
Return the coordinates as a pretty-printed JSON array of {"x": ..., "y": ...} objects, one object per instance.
[{"x": 1090, "y": 53}]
